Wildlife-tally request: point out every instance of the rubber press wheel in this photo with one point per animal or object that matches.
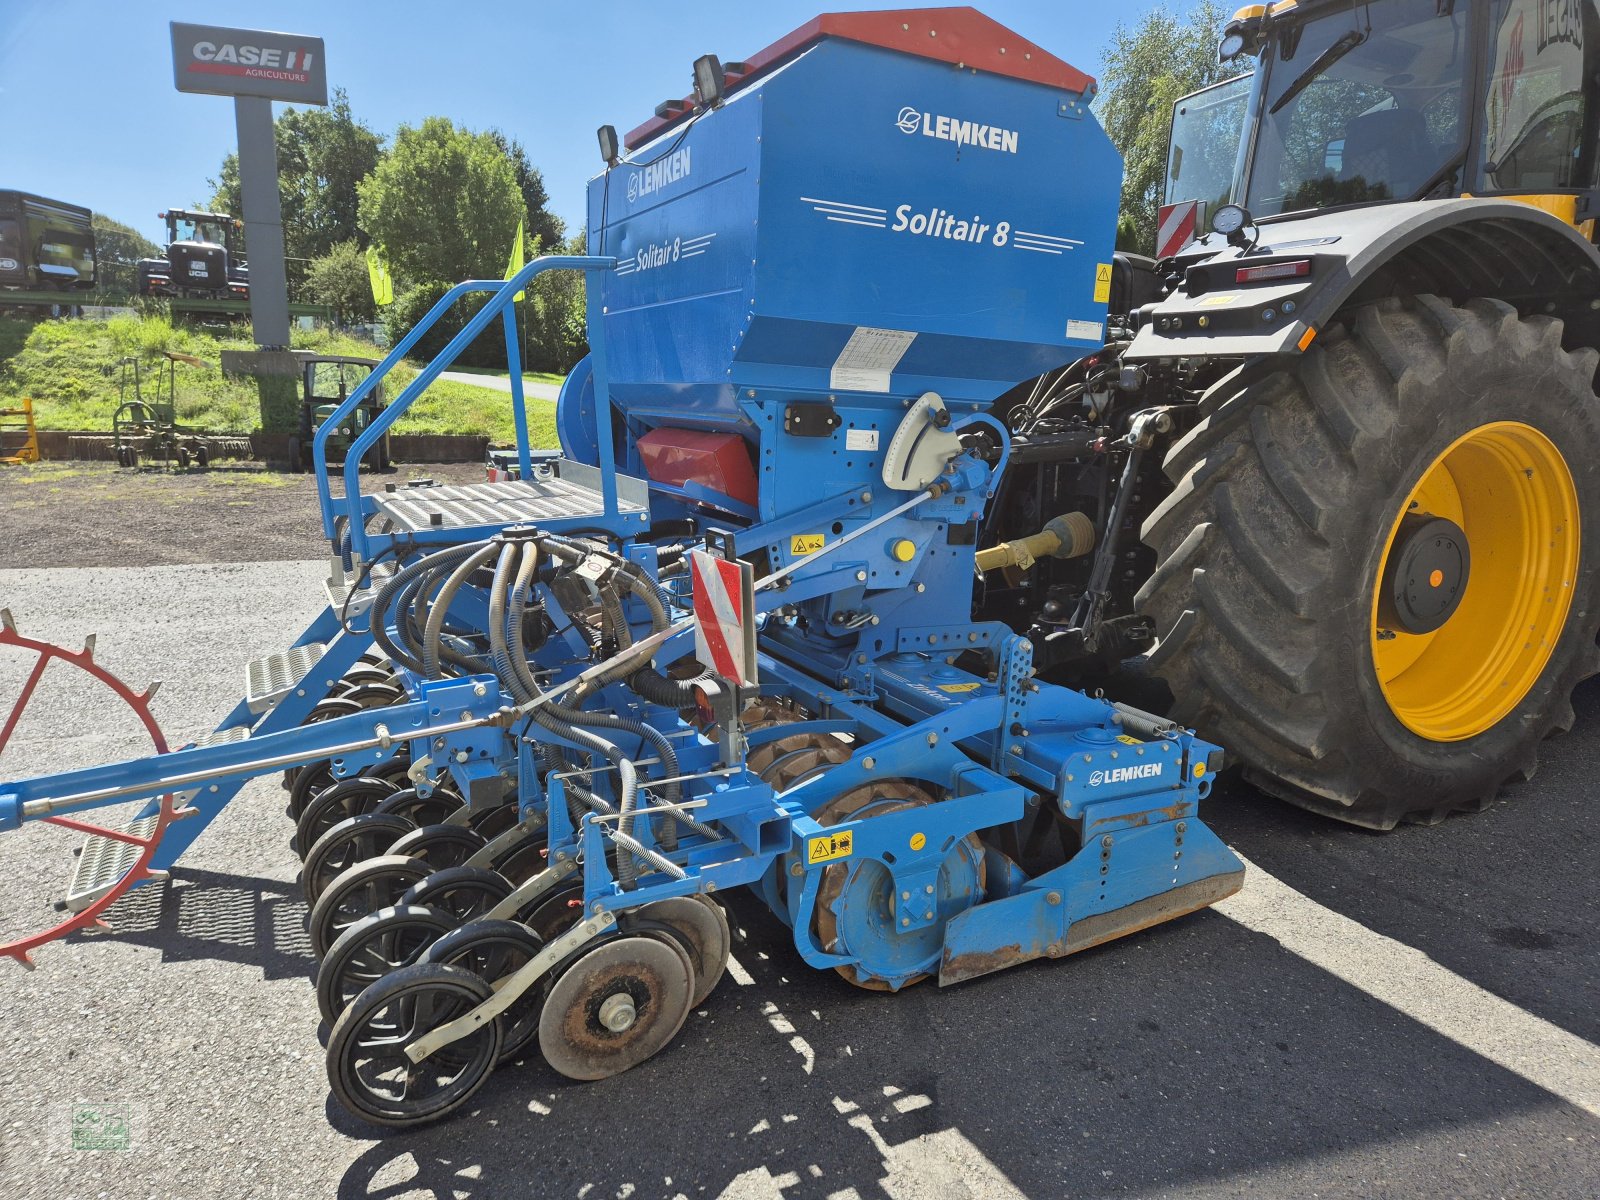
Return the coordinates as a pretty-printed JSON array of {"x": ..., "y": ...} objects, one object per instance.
[
  {"x": 367, "y": 1068},
  {"x": 351, "y": 841},
  {"x": 365, "y": 888},
  {"x": 379, "y": 943},
  {"x": 433, "y": 809},
  {"x": 1377, "y": 582},
  {"x": 494, "y": 950},
  {"x": 345, "y": 799}
]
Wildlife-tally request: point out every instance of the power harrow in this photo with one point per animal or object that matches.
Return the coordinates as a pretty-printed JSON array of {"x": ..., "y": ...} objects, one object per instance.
[{"x": 724, "y": 638}]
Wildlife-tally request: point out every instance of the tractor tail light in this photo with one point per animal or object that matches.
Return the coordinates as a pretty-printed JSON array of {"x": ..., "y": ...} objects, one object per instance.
[{"x": 1286, "y": 270}]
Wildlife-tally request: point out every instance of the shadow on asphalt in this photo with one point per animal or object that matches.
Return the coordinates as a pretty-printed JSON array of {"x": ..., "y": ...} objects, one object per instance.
[
  {"x": 198, "y": 915},
  {"x": 1195, "y": 1052}
]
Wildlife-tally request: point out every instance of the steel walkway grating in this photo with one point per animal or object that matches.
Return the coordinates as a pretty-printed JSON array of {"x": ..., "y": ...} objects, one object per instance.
[
  {"x": 268, "y": 680},
  {"x": 508, "y": 502},
  {"x": 102, "y": 862}
]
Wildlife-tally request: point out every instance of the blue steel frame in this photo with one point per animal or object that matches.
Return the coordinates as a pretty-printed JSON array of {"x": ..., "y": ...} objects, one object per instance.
[{"x": 500, "y": 305}]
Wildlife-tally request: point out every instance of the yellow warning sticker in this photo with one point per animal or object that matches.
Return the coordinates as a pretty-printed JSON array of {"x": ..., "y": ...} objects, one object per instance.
[
  {"x": 1102, "y": 283},
  {"x": 832, "y": 846},
  {"x": 1131, "y": 741},
  {"x": 918, "y": 840},
  {"x": 1220, "y": 299},
  {"x": 953, "y": 688},
  {"x": 806, "y": 543}
]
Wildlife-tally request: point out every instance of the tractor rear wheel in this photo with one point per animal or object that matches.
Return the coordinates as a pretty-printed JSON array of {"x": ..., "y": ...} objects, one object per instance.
[{"x": 1377, "y": 575}]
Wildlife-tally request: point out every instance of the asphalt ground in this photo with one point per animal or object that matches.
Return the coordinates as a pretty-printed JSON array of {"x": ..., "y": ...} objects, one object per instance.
[{"x": 1404, "y": 1015}]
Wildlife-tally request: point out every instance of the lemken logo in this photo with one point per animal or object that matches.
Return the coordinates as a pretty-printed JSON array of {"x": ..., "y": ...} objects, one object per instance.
[
  {"x": 1125, "y": 774},
  {"x": 962, "y": 133},
  {"x": 656, "y": 175}
]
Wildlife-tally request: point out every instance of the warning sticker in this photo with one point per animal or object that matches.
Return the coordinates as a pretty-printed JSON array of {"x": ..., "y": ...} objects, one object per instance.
[
  {"x": 1128, "y": 741},
  {"x": 868, "y": 359},
  {"x": 830, "y": 847},
  {"x": 1220, "y": 299},
  {"x": 861, "y": 439},
  {"x": 959, "y": 687},
  {"x": 1086, "y": 331},
  {"x": 1102, "y": 283},
  {"x": 806, "y": 543}
]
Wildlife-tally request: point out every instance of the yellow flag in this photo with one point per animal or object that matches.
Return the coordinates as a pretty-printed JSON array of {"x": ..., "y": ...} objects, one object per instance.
[
  {"x": 378, "y": 273},
  {"x": 516, "y": 264}
]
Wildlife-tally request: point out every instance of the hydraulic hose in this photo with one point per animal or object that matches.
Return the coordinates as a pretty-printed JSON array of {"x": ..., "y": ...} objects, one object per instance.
[
  {"x": 440, "y": 605},
  {"x": 391, "y": 590}
]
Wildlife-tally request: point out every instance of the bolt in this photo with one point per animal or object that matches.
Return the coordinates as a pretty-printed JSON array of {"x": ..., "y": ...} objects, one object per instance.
[
  {"x": 595, "y": 908},
  {"x": 905, "y": 920},
  {"x": 905, "y": 895},
  {"x": 1016, "y": 749},
  {"x": 933, "y": 739},
  {"x": 1052, "y": 898},
  {"x": 480, "y": 690},
  {"x": 861, "y": 658},
  {"x": 928, "y": 888},
  {"x": 869, "y": 762},
  {"x": 1106, "y": 841},
  {"x": 438, "y": 744},
  {"x": 1183, "y": 827},
  {"x": 928, "y": 916},
  {"x": 866, "y": 497},
  {"x": 461, "y": 756},
  {"x": 617, "y": 1012},
  {"x": 972, "y": 636},
  {"x": 861, "y": 576},
  {"x": 797, "y": 870}
]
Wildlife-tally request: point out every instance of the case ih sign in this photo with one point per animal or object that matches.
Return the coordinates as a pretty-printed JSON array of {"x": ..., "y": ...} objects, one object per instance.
[{"x": 248, "y": 62}]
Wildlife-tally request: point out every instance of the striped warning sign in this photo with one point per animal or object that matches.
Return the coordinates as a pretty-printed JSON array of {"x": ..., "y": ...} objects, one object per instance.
[
  {"x": 724, "y": 617},
  {"x": 1177, "y": 225}
]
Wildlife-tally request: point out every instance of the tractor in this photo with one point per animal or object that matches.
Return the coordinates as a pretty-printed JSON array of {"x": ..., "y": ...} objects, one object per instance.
[
  {"x": 202, "y": 258},
  {"x": 326, "y": 382},
  {"x": 912, "y": 556}
]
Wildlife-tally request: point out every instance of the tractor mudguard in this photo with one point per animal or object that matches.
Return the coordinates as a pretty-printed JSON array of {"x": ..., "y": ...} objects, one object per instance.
[{"x": 1456, "y": 248}]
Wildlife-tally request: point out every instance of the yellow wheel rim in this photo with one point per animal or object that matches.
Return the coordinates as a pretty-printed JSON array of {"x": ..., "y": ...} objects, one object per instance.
[{"x": 1507, "y": 486}]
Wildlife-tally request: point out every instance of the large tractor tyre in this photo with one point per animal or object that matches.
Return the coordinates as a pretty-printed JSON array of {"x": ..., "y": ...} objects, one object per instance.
[{"x": 1377, "y": 577}]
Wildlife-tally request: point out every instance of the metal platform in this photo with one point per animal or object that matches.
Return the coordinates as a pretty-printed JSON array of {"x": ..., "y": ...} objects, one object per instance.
[
  {"x": 102, "y": 862},
  {"x": 564, "y": 492},
  {"x": 268, "y": 680}
]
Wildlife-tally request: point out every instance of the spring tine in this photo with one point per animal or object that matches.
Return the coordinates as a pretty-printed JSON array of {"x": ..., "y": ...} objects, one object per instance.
[
  {"x": 7, "y": 620},
  {"x": 88, "y": 645},
  {"x": 150, "y": 692}
]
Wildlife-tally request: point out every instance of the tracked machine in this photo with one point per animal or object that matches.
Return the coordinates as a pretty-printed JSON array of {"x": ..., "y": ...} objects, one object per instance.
[{"x": 835, "y": 591}]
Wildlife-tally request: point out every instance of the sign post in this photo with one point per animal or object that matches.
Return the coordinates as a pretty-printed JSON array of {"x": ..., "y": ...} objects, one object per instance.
[{"x": 255, "y": 68}]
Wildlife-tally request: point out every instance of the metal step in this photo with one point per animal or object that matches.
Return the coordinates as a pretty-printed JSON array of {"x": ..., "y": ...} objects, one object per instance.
[
  {"x": 222, "y": 737},
  {"x": 268, "y": 680},
  {"x": 102, "y": 863},
  {"x": 570, "y": 493},
  {"x": 351, "y": 604}
]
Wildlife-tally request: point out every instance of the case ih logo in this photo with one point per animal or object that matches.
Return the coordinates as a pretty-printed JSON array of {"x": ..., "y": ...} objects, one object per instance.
[
  {"x": 252, "y": 62},
  {"x": 962, "y": 133},
  {"x": 1125, "y": 774}
]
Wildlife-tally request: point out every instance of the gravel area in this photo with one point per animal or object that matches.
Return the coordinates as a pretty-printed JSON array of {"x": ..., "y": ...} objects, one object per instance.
[{"x": 69, "y": 514}]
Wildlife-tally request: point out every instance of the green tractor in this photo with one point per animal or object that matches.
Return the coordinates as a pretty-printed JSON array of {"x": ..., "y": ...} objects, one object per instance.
[{"x": 326, "y": 381}]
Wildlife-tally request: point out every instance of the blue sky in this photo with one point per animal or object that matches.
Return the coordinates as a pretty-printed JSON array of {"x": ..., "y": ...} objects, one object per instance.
[{"x": 90, "y": 115}]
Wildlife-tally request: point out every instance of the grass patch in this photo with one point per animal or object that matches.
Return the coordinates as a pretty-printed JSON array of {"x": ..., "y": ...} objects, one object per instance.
[{"x": 71, "y": 370}]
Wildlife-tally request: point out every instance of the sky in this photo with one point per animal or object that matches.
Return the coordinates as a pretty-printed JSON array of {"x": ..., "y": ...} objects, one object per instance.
[{"x": 89, "y": 113}]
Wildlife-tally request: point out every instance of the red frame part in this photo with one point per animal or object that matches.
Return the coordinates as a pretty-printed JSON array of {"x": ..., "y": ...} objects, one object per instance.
[{"x": 961, "y": 36}]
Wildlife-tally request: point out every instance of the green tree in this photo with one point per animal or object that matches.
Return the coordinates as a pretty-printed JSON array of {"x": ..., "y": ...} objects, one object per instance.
[
  {"x": 323, "y": 153},
  {"x": 557, "y": 329},
  {"x": 339, "y": 278},
  {"x": 118, "y": 249},
  {"x": 1149, "y": 66},
  {"x": 542, "y": 223},
  {"x": 443, "y": 203}
]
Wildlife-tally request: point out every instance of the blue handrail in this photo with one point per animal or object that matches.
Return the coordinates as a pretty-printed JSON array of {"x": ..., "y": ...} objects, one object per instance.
[{"x": 504, "y": 291}]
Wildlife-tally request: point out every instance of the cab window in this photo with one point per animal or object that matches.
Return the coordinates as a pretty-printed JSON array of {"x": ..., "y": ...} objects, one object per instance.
[{"x": 1536, "y": 113}]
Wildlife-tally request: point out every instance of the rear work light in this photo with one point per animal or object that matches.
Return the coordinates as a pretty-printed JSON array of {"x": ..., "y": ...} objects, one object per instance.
[{"x": 1286, "y": 270}]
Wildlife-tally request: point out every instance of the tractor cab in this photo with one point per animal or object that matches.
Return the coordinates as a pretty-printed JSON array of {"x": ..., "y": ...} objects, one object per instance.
[
  {"x": 202, "y": 258},
  {"x": 327, "y": 380},
  {"x": 1346, "y": 106}
]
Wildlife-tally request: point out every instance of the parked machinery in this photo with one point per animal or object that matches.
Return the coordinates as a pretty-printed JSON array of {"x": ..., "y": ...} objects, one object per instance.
[
  {"x": 857, "y": 331},
  {"x": 202, "y": 258},
  {"x": 326, "y": 382},
  {"x": 144, "y": 430},
  {"x": 45, "y": 245}
]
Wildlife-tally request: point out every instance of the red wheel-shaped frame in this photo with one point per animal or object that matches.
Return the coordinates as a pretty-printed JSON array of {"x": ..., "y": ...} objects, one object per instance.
[{"x": 166, "y": 812}]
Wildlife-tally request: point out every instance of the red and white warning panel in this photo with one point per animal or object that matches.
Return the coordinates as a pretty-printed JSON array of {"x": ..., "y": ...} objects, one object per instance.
[
  {"x": 724, "y": 617},
  {"x": 1177, "y": 225}
]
